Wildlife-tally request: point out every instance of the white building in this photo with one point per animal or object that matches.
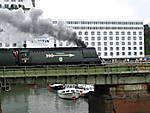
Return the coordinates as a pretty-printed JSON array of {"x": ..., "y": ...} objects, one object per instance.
[
  {"x": 15, "y": 4},
  {"x": 112, "y": 39}
]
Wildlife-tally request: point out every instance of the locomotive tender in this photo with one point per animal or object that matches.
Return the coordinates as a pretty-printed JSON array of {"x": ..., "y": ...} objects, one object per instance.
[{"x": 48, "y": 56}]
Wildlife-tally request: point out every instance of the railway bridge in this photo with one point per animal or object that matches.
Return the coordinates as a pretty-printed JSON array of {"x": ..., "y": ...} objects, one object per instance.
[{"x": 126, "y": 80}]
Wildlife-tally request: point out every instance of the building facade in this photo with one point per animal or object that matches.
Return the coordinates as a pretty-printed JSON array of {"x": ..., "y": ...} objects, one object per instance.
[
  {"x": 15, "y": 4},
  {"x": 112, "y": 39}
]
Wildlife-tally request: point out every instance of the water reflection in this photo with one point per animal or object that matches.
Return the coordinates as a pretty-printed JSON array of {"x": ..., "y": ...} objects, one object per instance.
[{"x": 37, "y": 99}]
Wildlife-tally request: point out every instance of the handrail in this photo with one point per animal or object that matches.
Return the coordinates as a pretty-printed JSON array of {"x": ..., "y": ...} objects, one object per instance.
[{"x": 26, "y": 71}]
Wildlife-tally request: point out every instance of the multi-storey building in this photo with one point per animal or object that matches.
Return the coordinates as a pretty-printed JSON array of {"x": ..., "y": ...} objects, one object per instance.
[
  {"x": 15, "y": 4},
  {"x": 112, "y": 39}
]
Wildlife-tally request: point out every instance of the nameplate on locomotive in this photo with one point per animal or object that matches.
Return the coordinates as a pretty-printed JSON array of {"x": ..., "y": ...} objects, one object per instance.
[{"x": 63, "y": 55}]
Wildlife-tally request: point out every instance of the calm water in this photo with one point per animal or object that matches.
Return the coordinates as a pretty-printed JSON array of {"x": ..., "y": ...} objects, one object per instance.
[{"x": 31, "y": 99}]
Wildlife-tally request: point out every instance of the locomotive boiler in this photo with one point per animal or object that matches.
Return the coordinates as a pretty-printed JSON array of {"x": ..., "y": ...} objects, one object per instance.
[{"x": 48, "y": 56}]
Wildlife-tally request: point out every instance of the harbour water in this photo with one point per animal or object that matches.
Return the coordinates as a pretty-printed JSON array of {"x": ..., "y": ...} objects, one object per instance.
[{"x": 39, "y": 99}]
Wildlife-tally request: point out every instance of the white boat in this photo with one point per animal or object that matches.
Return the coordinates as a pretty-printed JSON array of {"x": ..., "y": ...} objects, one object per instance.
[
  {"x": 56, "y": 86},
  {"x": 85, "y": 91},
  {"x": 69, "y": 93}
]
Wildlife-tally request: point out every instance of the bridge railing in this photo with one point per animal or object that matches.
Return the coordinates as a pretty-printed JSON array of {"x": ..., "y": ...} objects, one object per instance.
[{"x": 26, "y": 71}]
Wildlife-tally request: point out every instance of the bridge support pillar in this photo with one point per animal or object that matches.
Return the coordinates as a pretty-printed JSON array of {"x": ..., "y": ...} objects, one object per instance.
[{"x": 100, "y": 101}]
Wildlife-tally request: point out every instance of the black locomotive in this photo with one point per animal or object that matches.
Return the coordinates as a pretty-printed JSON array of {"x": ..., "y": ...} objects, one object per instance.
[{"x": 48, "y": 56}]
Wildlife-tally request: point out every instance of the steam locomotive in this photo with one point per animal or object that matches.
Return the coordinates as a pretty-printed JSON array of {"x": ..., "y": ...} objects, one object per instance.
[{"x": 48, "y": 56}]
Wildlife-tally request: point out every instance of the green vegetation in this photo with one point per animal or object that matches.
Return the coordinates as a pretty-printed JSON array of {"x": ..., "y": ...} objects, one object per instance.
[{"x": 147, "y": 39}]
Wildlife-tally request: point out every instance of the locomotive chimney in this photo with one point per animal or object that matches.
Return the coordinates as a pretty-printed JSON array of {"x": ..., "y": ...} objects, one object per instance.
[
  {"x": 55, "y": 43},
  {"x": 25, "y": 44}
]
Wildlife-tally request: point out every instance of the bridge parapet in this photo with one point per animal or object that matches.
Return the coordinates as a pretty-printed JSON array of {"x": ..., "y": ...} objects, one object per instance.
[{"x": 111, "y": 74}]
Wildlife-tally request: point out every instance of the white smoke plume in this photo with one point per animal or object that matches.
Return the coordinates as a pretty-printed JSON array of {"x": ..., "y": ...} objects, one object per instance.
[{"x": 32, "y": 23}]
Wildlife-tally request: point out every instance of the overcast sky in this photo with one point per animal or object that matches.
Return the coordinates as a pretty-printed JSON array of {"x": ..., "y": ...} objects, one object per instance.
[{"x": 96, "y": 9}]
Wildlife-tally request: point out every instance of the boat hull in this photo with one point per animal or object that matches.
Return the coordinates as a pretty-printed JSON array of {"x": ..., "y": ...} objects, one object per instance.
[{"x": 69, "y": 96}]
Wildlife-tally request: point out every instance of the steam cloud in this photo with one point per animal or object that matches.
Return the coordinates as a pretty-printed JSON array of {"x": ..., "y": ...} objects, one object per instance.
[{"x": 32, "y": 23}]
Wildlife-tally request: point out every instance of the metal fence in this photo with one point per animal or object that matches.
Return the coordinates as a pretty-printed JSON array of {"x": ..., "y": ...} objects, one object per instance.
[{"x": 72, "y": 70}]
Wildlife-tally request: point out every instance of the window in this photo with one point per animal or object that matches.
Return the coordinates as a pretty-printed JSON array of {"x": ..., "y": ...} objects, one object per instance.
[
  {"x": 6, "y": 0},
  {"x": 129, "y": 43},
  {"x": 140, "y": 48},
  {"x": 14, "y": 44},
  {"x": 13, "y": 6},
  {"x": 140, "y": 33},
  {"x": 117, "y": 53},
  {"x": 123, "y": 48},
  {"x": 98, "y": 33},
  {"x": 6, "y": 6},
  {"x": 117, "y": 38},
  {"x": 141, "y": 53},
  {"x": 122, "y": 33},
  {"x": 13, "y": 0},
  {"x": 105, "y": 38},
  {"x": 80, "y": 38},
  {"x": 20, "y": 0},
  {"x": 123, "y": 53},
  {"x": 123, "y": 43},
  {"x": 86, "y": 43},
  {"x": 92, "y": 33},
  {"x": 140, "y": 38},
  {"x": 93, "y": 43},
  {"x": 134, "y": 43},
  {"x": 117, "y": 43},
  {"x": 111, "y": 48},
  {"x": 86, "y": 38},
  {"x": 105, "y": 43},
  {"x": 86, "y": 33},
  {"x": 98, "y": 38},
  {"x": 111, "y": 43},
  {"x": 129, "y": 48},
  {"x": 117, "y": 33},
  {"x": 128, "y": 33},
  {"x": 99, "y": 53},
  {"x": 134, "y": 33},
  {"x": 129, "y": 38},
  {"x": 0, "y": 5},
  {"x": 105, "y": 48},
  {"x": 111, "y": 53},
  {"x": 123, "y": 38},
  {"x": 110, "y": 38},
  {"x": 134, "y": 38},
  {"x": 134, "y": 48},
  {"x": 117, "y": 48},
  {"x": 99, "y": 43},
  {"x": 104, "y": 33},
  {"x": 105, "y": 53},
  {"x": 140, "y": 43},
  {"x": 129, "y": 53},
  {"x": 135, "y": 53},
  {"x": 99, "y": 48},
  {"x": 80, "y": 33},
  {"x": 54, "y": 22},
  {"x": 110, "y": 33},
  {"x": 92, "y": 38}
]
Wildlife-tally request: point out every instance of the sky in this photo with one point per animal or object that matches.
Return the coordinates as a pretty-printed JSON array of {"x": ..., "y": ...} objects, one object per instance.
[{"x": 96, "y": 9}]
